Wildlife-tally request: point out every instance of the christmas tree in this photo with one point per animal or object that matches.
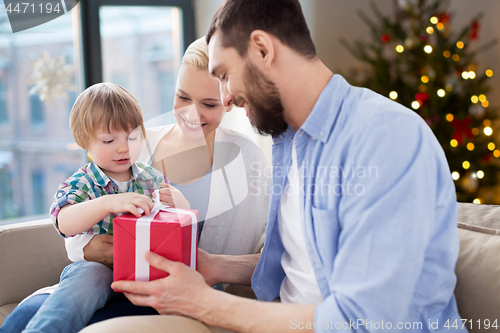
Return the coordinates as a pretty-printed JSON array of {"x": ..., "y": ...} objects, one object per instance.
[{"x": 417, "y": 60}]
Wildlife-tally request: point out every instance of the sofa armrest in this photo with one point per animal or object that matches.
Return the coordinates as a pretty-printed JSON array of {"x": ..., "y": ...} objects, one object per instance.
[{"x": 32, "y": 256}]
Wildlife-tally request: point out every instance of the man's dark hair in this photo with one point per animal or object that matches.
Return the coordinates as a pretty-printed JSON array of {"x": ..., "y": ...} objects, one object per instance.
[{"x": 236, "y": 19}]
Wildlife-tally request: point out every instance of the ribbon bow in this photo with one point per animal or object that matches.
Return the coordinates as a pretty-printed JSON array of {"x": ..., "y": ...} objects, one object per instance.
[{"x": 143, "y": 236}]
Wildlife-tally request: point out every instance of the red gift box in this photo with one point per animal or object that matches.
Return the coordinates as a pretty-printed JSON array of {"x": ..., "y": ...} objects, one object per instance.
[{"x": 172, "y": 235}]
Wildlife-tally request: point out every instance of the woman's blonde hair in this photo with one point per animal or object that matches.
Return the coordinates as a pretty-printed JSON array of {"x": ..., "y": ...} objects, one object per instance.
[
  {"x": 104, "y": 106},
  {"x": 197, "y": 54}
]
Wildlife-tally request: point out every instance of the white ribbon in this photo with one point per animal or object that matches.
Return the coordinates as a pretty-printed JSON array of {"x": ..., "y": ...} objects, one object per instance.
[{"x": 143, "y": 237}]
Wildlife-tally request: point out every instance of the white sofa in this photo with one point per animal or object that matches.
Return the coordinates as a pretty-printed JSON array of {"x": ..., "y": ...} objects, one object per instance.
[{"x": 32, "y": 256}]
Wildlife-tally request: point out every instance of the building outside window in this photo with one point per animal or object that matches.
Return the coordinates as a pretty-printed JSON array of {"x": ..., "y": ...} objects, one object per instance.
[
  {"x": 36, "y": 110},
  {"x": 4, "y": 112}
]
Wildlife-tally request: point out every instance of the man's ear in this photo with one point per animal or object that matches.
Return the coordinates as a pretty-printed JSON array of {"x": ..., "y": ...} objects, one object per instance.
[{"x": 261, "y": 47}]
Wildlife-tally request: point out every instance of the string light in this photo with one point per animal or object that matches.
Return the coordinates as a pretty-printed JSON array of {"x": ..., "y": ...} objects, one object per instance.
[
  {"x": 460, "y": 44},
  {"x": 456, "y": 57},
  {"x": 472, "y": 75},
  {"x": 424, "y": 79},
  {"x": 477, "y": 201},
  {"x": 489, "y": 73},
  {"x": 430, "y": 30},
  {"x": 434, "y": 20},
  {"x": 415, "y": 105},
  {"x": 428, "y": 49},
  {"x": 465, "y": 75},
  {"x": 440, "y": 26},
  {"x": 393, "y": 95},
  {"x": 485, "y": 104},
  {"x": 491, "y": 146},
  {"x": 487, "y": 122},
  {"x": 447, "y": 54},
  {"x": 482, "y": 97},
  {"x": 450, "y": 117},
  {"x": 455, "y": 175},
  {"x": 496, "y": 153},
  {"x": 400, "y": 48},
  {"x": 470, "y": 146},
  {"x": 449, "y": 87},
  {"x": 475, "y": 131},
  {"x": 474, "y": 99},
  {"x": 441, "y": 93},
  {"x": 465, "y": 165},
  {"x": 480, "y": 174},
  {"x": 488, "y": 131},
  {"x": 453, "y": 143}
]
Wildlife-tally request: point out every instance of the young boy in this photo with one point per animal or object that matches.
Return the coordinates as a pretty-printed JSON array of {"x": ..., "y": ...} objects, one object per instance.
[{"x": 107, "y": 121}]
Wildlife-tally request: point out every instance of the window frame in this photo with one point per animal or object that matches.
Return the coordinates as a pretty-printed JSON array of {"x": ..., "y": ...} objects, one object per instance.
[{"x": 91, "y": 37}]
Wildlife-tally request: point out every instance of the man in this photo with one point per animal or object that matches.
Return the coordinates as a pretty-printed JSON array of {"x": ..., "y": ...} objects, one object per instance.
[{"x": 361, "y": 232}]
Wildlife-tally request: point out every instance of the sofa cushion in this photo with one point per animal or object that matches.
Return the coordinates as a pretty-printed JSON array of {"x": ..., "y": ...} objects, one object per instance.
[
  {"x": 478, "y": 266},
  {"x": 5, "y": 311},
  {"x": 487, "y": 216}
]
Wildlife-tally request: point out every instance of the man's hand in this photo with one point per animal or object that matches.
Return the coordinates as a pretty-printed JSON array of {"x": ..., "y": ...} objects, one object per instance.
[
  {"x": 172, "y": 197},
  {"x": 184, "y": 292},
  {"x": 100, "y": 249},
  {"x": 128, "y": 202},
  {"x": 180, "y": 293}
]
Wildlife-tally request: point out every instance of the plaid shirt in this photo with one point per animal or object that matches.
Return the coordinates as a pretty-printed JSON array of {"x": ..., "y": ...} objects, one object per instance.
[{"x": 89, "y": 182}]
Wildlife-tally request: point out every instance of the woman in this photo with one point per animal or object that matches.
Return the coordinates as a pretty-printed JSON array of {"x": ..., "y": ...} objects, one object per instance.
[{"x": 219, "y": 171}]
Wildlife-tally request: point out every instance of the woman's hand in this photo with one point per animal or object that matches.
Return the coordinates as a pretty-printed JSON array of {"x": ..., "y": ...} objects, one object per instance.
[
  {"x": 100, "y": 249},
  {"x": 207, "y": 267},
  {"x": 172, "y": 197}
]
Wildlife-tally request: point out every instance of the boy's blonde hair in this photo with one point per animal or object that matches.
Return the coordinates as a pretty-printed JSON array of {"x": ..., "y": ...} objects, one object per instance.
[
  {"x": 197, "y": 54},
  {"x": 105, "y": 106}
]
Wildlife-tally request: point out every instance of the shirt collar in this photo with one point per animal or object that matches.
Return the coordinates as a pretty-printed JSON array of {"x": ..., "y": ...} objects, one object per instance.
[
  {"x": 284, "y": 136},
  {"x": 320, "y": 121},
  {"x": 140, "y": 171},
  {"x": 95, "y": 173}
]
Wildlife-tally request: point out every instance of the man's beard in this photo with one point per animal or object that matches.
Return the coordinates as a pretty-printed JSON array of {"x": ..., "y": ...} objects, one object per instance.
[{"x": 264, "y": 102}]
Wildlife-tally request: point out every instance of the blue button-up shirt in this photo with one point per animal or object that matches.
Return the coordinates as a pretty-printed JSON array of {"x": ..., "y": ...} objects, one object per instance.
[{"x": 379, "y": 214}]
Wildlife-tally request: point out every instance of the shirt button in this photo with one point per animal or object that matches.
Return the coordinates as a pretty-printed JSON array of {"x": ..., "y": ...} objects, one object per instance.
[
  {"x": 322, "y": 136},
  {"x": 300, "y": 134},
  {"x": 314, "y": 139},
  {"x": 59, "y": 194}
]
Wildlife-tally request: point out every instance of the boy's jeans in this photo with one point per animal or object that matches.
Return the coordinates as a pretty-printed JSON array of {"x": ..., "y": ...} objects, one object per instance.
[{"x": 84, "y": 287}]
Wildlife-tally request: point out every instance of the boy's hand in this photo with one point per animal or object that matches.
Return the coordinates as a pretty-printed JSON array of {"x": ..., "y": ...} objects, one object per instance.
[
  {"x": 172, "y": 197},
  {"x": 129, "y": 202}
]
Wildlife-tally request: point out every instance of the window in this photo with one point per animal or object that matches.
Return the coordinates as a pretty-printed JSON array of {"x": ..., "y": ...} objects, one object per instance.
[
  {"x": 36, "y": 110},
  {"x": 127, "y": 41},
  {"x": 166, "y": 83},
  {"x": 7, "y": 206},
  {"x": 38, "y": 184},
  {"x": 139, "y": 45},
  {"x": 34, "y": 57},
  {"x": 4, "y": 114}
]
